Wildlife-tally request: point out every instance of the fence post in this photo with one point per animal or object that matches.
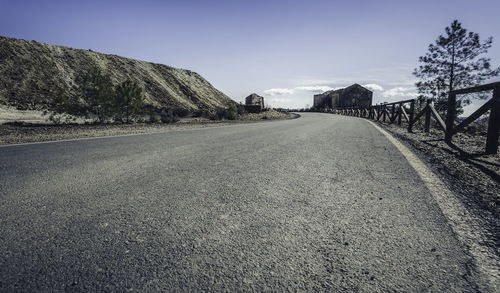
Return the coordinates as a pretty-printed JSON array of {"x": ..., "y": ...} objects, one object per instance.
[
  {"x": 393, "y": 112},
  {"x": 427, "y": 125},
  {"x": 450, "y": 115},
  {"x": 400, "y": 113},
  {"x": 383, "y": 113},
  {"x": 412, "y": 114},
  {"x": 493, "y": 124}
]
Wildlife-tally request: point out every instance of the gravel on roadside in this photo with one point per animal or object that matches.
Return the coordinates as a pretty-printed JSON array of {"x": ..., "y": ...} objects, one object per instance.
[
  {"x": 15, "y": 133},
  {"x": 471, "y": 175}
]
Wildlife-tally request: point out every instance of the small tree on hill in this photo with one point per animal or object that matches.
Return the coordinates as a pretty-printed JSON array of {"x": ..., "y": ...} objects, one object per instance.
[
  {"x": 67, "y": 104},
  {"x": 128, "y": 100},
  {"x": 96, "y": 89},
  {"x": 453, "y": 62},
  {"x": 232, "y": 112}
]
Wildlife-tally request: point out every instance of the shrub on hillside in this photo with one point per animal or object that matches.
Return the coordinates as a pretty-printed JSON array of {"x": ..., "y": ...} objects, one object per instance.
[
  {"x": 128, "y": 101},
  {"x": 168, "y": 116},
  {"x": 68, "y": 104},
  {"x": 181, "y": 112},
  {"x": 230, "y": 113},
  {"x": 154, "y": 117},
  {"x": 97, "y": 91},
  {"x": 97, "y": 95},
  {"x": 241, "y": 109}
]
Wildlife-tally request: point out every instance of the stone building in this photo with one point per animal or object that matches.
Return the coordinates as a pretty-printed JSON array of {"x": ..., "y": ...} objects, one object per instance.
[
  {"x": 351, "y": 96},
  {"x": 254, "y": 103}
]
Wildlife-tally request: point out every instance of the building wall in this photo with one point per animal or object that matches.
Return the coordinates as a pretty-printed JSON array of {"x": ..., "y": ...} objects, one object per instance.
[
  {"x": 352, "y": 96},
  {"x": 335, "y": 99},
  {"x": 253, "y": 108},
  {"x": 317, "y": 100},
  {"x": 355, "y": 97},
  {"x": 254, "y": 100}
]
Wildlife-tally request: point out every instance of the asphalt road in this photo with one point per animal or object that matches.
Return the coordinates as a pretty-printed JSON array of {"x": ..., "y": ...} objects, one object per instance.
[{"x": 319, "y": 203}]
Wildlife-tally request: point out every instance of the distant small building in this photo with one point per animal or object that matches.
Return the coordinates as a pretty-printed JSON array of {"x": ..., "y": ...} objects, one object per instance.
[
  {"x": 351, "y": 96},
  {"x": 254, "y": 103}
]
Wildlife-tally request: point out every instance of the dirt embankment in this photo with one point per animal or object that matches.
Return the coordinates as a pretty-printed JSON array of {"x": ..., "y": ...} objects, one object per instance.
[
  {"x": 33, "y": 74},
  {"x": 14, "y": 133}
]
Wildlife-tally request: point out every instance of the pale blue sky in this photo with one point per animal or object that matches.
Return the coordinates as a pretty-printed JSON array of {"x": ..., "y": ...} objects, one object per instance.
[{"x": 280, "y": 49}]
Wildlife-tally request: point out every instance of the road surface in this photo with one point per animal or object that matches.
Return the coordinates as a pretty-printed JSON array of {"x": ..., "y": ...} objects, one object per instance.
[{"x": 319, "y": 203}]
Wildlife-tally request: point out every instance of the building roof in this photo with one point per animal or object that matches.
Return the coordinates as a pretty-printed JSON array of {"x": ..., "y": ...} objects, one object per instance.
[
  {"x": 254, "y": 95},
  {"x": 347, "y": 88},
  {"x": 358, "y": 86}
]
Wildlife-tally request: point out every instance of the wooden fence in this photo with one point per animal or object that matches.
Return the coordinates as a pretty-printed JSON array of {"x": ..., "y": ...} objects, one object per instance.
[{"x": 396, "y": 112}]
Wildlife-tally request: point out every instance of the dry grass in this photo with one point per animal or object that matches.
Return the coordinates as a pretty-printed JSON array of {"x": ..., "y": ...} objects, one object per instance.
[{"x": 25, "y": 133}]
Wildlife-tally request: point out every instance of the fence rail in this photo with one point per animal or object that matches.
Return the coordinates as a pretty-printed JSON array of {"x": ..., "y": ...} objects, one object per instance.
[
  {"x": 493, "y": 120},
  {"x": 397, "y": 111}
]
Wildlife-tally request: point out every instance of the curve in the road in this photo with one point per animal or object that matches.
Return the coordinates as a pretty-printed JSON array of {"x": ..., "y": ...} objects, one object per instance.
[{"x": 320, "y": 203}]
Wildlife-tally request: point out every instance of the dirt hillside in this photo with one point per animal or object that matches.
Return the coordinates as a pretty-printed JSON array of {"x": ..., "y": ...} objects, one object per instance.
[{"x": 32, "y": 74}]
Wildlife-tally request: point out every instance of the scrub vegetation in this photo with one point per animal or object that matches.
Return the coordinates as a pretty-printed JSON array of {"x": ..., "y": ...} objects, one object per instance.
[
  {"x": 57, "y": 79},
  {"x": 97, "y": 95}
]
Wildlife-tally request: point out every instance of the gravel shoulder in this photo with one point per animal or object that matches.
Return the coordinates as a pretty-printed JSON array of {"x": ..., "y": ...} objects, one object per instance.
[
  {"x": 474, "y": 178},
  {"x": 15, "y": 133}
]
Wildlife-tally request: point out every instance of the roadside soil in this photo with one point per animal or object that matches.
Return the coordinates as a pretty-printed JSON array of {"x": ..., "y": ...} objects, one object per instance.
[
  {"x": 473, "y": 176},
  {"x": 14, "y": 133}
]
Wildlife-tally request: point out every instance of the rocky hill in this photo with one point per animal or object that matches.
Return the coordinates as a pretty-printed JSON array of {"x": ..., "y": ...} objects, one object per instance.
[{"x": 32, "y": 74}]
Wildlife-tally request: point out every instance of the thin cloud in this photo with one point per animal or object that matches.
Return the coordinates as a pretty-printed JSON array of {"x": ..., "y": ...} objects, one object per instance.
[
  {"x": 400, "y": 92},
  {"x": 374, "y": 87},
  {"x": 279, "y": 100},
  {"x": 324, "y": 88},
  {"x": 278, "y": 92},
  {"x": 315, "y": 88}
]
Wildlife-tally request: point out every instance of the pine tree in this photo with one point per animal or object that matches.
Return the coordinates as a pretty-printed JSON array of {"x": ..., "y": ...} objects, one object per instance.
[
  {"x": 128, "y": 99},
  {"x": 96, "y": 89},
  {"x": 454, "y": 62}
]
